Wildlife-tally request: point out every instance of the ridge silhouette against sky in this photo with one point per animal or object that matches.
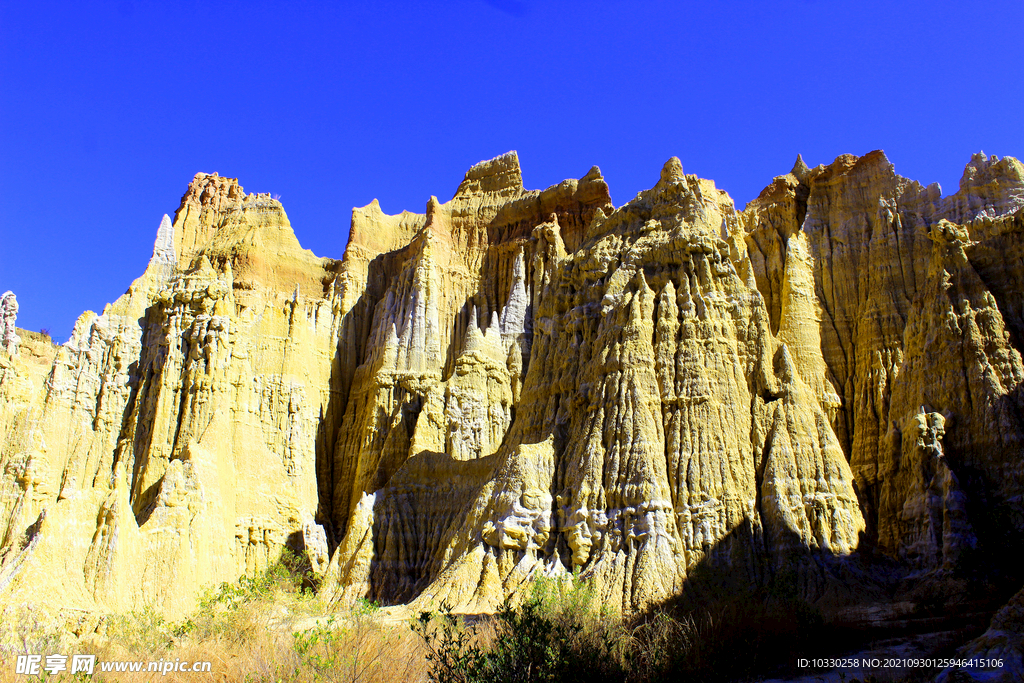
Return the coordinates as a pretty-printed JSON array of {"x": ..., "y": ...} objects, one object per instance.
[{"x": 108, "y": 109}]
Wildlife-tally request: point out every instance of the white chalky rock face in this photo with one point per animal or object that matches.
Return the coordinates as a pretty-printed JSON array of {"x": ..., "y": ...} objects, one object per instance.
[
  {"x": 519, "y": 382},
  {"x": 163, "y": 249},
  {"x": 9, "y": 339}
]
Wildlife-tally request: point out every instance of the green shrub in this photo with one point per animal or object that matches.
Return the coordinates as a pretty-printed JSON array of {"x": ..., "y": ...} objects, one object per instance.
[
  {"x": 451, "y": 652},
  {"x": 317, "y": 647}
]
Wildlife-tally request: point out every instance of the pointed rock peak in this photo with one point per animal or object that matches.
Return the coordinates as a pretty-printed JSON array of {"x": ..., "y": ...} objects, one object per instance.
[
  {"x": 163, "y": 247},
  {"x": 550, "y": 232},
  {"x": 202, "y": 268},
  {"x": 392, "y": 338},
  {"x": 781, "y": 187},
  {"x": 207, "y": 202},
  {"x": 640, "y": 283},
  {"x": 474, "y": 339},
  {"x": 984, "y": 169},
  {"x": 978, "y": 164},
  {"x": 785, "y": 370},
  {"x": 378, "y": 232},
  {"x": 500, "y": 175},
  {"x": 437, "y": 219},
  {"x": 872, "y": 162},
  {"x": 800, "y": 169},
  {"x": 990, "y": 187},
  {"x": 992, "y": 168},
  {"x": 367, "y": 214},
  {"x": 672, "y": 171},
  {"x": 442, "y": 232},
  {"x": 748, "y": 276},
  {"x": 593, "y": 174},
  {"x": 205, "y": 267}
]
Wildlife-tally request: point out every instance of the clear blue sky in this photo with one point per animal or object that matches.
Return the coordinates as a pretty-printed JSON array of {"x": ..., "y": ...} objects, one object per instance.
[{"x": 107, "y": 109}]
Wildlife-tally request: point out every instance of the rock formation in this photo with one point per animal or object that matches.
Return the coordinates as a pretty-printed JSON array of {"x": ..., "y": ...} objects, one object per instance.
[
  {"x": 918, "y": 300},
  {"x": 173, "y": 443},
  {"x": 523, "y": 382},
  {"x": 9, "y": 339},
  {"x": 658, "y": 420}
]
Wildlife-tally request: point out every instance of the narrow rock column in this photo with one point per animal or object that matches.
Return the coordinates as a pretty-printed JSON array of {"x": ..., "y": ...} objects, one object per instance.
[{"x": 9, "y": 338}]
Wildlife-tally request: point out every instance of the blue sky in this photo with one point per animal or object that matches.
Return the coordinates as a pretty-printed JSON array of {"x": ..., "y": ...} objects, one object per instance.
[{"x": 107, "y": 109}]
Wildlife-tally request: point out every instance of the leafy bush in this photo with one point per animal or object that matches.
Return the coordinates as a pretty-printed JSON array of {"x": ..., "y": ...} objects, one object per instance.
[
  {"x": 318, "y": 647},
  {"x": 451, "y": 652}
]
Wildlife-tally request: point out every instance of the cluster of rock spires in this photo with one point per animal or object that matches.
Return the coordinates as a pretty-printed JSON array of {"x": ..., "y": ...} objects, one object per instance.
[{"x": 520, "y": 382}]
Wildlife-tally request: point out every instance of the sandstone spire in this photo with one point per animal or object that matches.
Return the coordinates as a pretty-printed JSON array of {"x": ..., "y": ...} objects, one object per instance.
[
  {"x": 9, "y": 339},
  {"x": 163, "y": 249}
]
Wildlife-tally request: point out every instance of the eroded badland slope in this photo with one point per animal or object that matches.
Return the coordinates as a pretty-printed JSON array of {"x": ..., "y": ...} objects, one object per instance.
[{"x": 523, "y": 381}]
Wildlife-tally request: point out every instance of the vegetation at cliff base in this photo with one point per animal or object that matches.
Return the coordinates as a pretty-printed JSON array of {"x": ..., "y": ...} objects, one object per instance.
[{"x": 273, "y": 628}]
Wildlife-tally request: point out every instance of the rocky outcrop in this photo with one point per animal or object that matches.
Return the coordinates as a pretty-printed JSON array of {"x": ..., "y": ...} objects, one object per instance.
[{"x": 518, "y": 382}]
